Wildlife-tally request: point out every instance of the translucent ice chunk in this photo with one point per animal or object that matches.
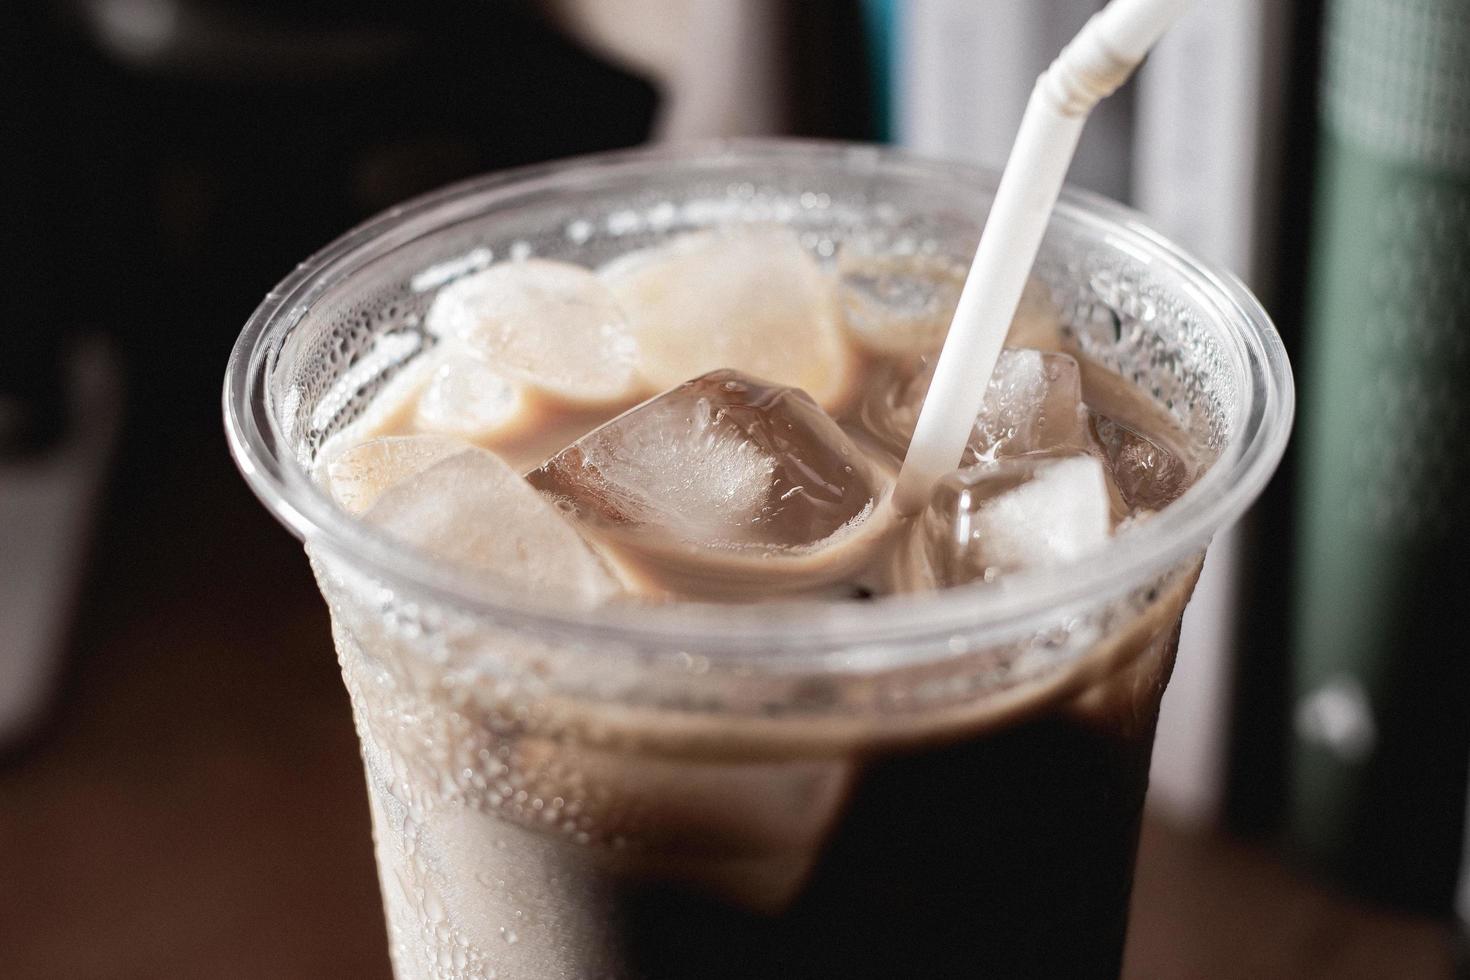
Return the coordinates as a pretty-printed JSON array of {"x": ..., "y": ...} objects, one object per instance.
[
  {"x": 748, "y": 831},
  {"x": 550, "y": 324},
  {"x": 750, "y": 299},
  {"x": 472, "y": 510},
  {"x": 1033, "y": 403},
  {"x": 358, "y": 476},
  {"x": 1148, "y": 475},
  {"x": 900, "y": 305},
  {"x": 723, "y": 479},
  {"x": 465, "y": 397},
  {"x": 1027, "y": 512}
]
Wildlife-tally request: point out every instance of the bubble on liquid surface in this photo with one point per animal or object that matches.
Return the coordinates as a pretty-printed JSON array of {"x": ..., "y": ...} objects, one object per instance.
[
  {"x": 746, "y": 298},
  {"x": 1034, "y": 511},
  {"x": 551, "y": 325},
  {"x": 472, "y": 510},
  {"x": 723, "y": 474}
]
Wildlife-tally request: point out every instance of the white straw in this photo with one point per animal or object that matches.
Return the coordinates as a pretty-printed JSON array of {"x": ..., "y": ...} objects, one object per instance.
[{"x": 1091, "y": 67}]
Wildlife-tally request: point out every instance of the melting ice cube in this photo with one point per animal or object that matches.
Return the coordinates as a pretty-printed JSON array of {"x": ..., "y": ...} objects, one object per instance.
[
  {"x": 750, "y": 299},
  {"x": 552, "y": 325},
  {"x": 749, "y": 831},
  {"x": 359, "y": 474},
  {"x": 724, "y": 478},
  {"x": 1033, "y": 404},
  {"x": 1148, "y": 475},
  {"x": 897, "y": 305},
  {"x": 472, "y": 510},
  {"x": 1025, "y": 512},
  {"x": 465, "y": 397}
]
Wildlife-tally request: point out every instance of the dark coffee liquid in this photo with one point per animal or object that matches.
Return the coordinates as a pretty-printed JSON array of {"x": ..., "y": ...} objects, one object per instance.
[{"x": 909, "y": 883}]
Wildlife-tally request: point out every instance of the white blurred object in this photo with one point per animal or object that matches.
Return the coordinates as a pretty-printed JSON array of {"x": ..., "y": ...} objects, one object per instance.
[
  {"x": 48, "y": 506},
  {"x": 718, "y": 62},
  {"x": 1208, "y": 120},
  {"x": 965, "y": 72}
]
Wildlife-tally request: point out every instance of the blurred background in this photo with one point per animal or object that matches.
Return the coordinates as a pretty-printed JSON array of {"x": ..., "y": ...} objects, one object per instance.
[{"x": 179, "y": 787}]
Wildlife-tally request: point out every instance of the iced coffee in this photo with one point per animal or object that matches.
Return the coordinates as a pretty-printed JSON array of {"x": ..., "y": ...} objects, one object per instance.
[{"x": 666, "y": 687}]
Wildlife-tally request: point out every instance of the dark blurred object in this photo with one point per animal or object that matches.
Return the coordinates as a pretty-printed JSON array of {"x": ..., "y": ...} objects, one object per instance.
[
  {"x": 58, "y": 391},
  {"x": 1380, "y": 731},
  {"x": 168, "y": 160},
  {"x": 1257, "y": 779},
  {"x": 748, "y": 68},
  {"x": 828, "y": 57},
  {"x": 202, "y": 146},
  {"x": 33, "y": 317},
  {"x": 49, "y": 498}
]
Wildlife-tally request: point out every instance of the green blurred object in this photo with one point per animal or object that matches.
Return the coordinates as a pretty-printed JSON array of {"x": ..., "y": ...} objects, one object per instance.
[{"x": 1381, "y": 683}]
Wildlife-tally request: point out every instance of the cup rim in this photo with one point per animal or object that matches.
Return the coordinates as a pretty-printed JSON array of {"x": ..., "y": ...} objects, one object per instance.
[{"x": 890, "y": 628}]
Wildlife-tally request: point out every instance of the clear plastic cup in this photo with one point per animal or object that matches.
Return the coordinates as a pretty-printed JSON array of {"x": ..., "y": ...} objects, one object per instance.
[{"x": 945, "y": 784}]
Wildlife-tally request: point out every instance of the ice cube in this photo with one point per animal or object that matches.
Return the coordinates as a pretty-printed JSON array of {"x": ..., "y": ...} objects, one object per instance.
[
  {"x": 472, "y": 510},
  {"x": 722, "y": 481},
  {"x": 358, "y": 475},
  {"x": 749, "y": 299},
  {"x": 1031, "y": 511},
  {"x": 552, "y": 325},
  {"x": 902, "y": 305},
  {"x": 1148, "y": 475},
  {"x": 465, "y": 397},
  {"x": 898, "y": 305},
  {"x": 1033, "y": 403},
  {"x": 746, "y": 830}
]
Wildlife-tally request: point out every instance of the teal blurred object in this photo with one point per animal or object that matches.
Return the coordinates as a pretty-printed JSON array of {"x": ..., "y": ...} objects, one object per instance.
[
  {"x": 1381, "y": 677},
  {"x": 881, "y": 26}
]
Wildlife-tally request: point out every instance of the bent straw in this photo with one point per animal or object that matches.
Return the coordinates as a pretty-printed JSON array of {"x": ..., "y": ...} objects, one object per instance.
[{"x": 1090, "y": 68}]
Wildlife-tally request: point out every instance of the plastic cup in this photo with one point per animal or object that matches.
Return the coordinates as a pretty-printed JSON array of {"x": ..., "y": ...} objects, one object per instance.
[{"x": 942, "y": 785}]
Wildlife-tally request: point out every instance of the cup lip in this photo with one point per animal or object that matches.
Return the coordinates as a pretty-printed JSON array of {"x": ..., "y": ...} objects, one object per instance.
[{"x": 892, "y": 628}]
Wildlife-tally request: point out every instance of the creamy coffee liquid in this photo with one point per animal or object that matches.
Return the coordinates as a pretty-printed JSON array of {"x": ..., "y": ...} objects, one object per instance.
[
  {"x": 746, "y": 461},
  {"x": 731, "y": 487}
]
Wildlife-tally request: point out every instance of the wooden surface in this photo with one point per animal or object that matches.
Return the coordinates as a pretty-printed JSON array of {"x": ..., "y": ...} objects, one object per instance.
[{"x": 194, "y": 807}]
